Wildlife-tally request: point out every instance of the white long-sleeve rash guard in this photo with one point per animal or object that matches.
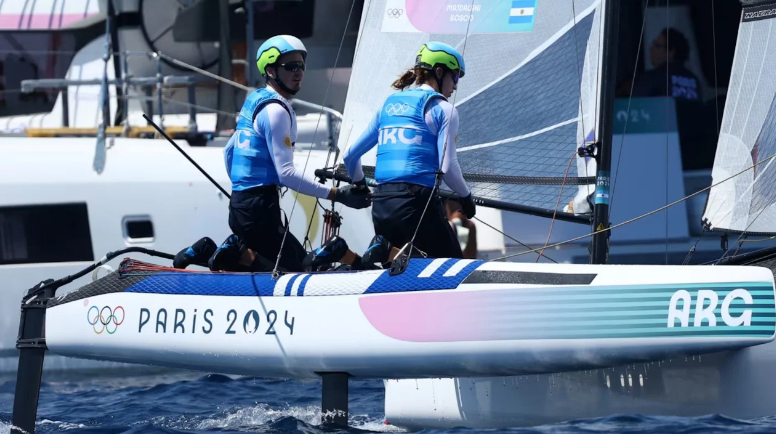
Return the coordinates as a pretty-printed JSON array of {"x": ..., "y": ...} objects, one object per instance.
[
  {"x": 442, "y": 119},
  {"x": 274, "y": 125}
]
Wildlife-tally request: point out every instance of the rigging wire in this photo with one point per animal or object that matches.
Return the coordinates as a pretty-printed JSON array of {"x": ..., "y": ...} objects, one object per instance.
[
  {"x": 334, "y": 169},
  {"x": 741, "y": 244},
  {"x": 309, "y": 152},
  {"x": 627, "y": 111},
  {"x": 716, "y": 107},
  {"x": 581, "y": 109},
  {"x": 759, "y": 240},
  {"x": 579, "y": 74},
  {"x": 511, "y": 238},
  {"x": 738, "y": 240},
  {"x": 555, "y": 213},
  {"x": 310, "y": 224},
  {"x": 665, "y": 113},
  {"x": 582, "y": 121},
  {"x": 714, "y": 51},
  {"x": 645, "y": 214},
  {"x": 691, "y": 252},
  {"x": 595, "y": 116},
  {"x": 359, "y": 39}
]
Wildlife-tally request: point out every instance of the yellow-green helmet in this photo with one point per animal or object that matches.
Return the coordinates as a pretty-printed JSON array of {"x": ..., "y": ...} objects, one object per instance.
[
  {"x": 433, "y": 54},
  {"x": 274, "y": 47}
]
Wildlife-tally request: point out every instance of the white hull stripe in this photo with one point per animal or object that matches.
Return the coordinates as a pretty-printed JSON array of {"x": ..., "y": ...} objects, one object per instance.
[
  {"x": 455, "y": 269},
  {"x": 295, "y": 286},
  {"x": 300, "y": 291},
  {"x": 432, "y": 267},
  {"x": 280, "y": 285}
]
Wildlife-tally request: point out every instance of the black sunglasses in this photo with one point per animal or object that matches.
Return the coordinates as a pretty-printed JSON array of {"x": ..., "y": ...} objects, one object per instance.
[{"x": 293, "y": 66}]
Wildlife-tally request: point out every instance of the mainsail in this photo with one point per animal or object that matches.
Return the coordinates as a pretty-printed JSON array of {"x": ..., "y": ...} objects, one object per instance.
[
  {"x": 529, "y": 98},
  {"x": 747, "y": 138}
]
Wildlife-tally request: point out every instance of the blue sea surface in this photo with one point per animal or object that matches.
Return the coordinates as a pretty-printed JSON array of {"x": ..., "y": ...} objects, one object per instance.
[{"x": 185, "y": 402}]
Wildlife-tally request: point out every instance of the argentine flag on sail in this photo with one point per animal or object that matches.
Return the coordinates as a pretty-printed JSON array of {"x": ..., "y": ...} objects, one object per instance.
[{"x": 522, "y": 12}]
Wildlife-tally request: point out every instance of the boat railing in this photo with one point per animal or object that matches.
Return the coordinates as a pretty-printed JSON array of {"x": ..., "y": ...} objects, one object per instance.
[{"x": 153, "y": 92}]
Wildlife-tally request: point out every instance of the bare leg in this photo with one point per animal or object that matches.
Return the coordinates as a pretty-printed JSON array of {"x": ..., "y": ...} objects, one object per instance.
[{"x": 349, "y": 258}]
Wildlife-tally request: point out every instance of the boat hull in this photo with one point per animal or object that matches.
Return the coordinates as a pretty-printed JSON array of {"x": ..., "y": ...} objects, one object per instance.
[
  {"x": 736, "y": 384},
  {"x": 440, "y": 318}
]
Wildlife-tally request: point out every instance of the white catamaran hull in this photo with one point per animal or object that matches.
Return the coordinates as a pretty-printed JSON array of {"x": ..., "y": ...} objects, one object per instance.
[
  {"x": 441, "y": 317},
  {"x": 736, "y": 384}
]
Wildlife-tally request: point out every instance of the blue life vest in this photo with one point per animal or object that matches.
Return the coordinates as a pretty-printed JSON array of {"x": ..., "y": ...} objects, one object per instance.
[
  {"x": 406, "y": 149},
  {"x": 248, "y": 156}
]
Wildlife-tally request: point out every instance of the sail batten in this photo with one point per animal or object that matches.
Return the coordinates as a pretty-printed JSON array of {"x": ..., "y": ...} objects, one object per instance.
[{"x": 528, "y": 100}]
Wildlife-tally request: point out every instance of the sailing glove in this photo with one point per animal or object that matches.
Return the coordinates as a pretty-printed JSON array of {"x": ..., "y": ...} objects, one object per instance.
[
  {"x": 354, "y": 196},
  {"x": 467, "y": 206}
]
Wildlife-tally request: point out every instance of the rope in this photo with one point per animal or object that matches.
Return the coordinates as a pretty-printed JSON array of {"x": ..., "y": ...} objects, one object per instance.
[
  {"x": 691, "y": 252},
  {"x": 310, "y": 225},
  {"x": 738, "y": 240},
  {"x": 557, "y": 204},
  {"x": 665, "y": 110},
  {"x": 309, "y": 152},
  {"x": 643, "y": 215},
  {"x": 627, "y": 112},
  {"x": 511, "y": 238},
  {"x": 579, "y": 77},
  {"x": 714, "y": 41}
]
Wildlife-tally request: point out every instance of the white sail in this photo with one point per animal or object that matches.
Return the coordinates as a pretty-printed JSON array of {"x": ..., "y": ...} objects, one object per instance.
[
  {"x": 747, "y": 138},
  {"x": 532, "y": 71}
]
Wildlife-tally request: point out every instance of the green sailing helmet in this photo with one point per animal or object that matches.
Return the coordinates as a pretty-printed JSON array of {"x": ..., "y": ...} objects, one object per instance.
[{"x": 433, "y": 54}]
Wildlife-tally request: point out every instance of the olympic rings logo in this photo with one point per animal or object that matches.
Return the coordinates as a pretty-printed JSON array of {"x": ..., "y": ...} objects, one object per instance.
[
  {"x": 397, "y": 109},
  {"x": 394, "y": 13},
  {"x": 104, "y": 319}
]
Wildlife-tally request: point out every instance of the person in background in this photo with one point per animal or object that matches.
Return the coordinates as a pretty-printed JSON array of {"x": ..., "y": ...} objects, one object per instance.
[{"x": 669, "y": 77}]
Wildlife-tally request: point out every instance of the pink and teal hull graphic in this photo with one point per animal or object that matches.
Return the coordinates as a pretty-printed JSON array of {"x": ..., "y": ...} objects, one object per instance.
[
  {"x": 459, "y": 16},
  {"x": 744, "y": 310}
]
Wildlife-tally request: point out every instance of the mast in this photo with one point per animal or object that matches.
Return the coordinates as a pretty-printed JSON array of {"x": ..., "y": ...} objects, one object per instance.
[{"x": 599, "y": 248}]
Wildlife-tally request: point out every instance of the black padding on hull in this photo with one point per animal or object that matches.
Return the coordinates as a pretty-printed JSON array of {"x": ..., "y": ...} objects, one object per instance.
[
  {"x": 528, "y": 278},
  {"x": 111, "y": 283}
]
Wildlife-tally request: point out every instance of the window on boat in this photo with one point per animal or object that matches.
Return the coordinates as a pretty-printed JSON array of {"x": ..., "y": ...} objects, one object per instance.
[
  {"x": 38, "y": 54},
  {"x": 31, "y": 55},
  {"x": 138, "y": 229},
  {"x": 45, "y": 233}
]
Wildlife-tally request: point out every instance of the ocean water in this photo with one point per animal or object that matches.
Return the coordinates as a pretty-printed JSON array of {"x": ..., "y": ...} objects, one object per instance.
[{"x": 184, "y": 402}]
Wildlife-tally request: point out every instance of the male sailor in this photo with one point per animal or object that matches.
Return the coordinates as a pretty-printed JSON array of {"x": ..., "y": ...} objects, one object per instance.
[
  {"x": 259, "y": 160},
  {"x": 415, "y": 133}
]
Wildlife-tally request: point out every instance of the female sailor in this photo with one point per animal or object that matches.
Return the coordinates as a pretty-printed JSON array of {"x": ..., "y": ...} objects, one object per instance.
[{"x": 415, "y": 133}]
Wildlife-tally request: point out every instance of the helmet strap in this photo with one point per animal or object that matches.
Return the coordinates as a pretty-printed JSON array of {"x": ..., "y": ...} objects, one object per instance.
[{"x": 282, "y": 85}]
